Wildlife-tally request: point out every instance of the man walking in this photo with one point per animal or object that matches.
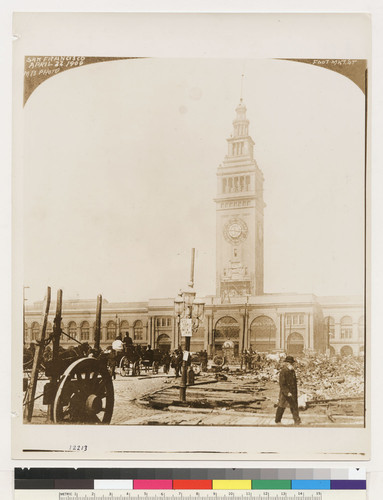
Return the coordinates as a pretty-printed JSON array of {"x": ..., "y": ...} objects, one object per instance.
[{"x": 288, "y": 394}]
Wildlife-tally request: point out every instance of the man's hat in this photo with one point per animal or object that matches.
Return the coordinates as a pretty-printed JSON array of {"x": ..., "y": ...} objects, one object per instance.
[{"x": 289, "y": 359}]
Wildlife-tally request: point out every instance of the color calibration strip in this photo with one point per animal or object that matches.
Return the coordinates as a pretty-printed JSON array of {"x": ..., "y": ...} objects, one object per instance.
[
  {"x": 189, "y": 479},
  {"x": 190, "y": 484}
]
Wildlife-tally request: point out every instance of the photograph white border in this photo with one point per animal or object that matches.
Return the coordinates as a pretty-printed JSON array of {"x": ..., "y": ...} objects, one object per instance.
[{"x": 51, "y": 36}]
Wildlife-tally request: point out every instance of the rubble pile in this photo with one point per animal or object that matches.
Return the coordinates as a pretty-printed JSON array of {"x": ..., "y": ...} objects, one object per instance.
[
  {"x": 322, "y": 378},
  {"x": 266, "y": 371},
  {"x": 319, "y": 377}
]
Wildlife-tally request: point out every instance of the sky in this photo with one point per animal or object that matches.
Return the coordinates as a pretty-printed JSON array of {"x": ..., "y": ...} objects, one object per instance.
[{"x": 120, "y": 163}]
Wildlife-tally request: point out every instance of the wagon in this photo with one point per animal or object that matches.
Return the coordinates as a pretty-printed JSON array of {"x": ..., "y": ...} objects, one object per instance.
[
  {"x": 130, "y": 362},
  {"x": 80, "y": 388},
  {"x": 28, "y": 356}
]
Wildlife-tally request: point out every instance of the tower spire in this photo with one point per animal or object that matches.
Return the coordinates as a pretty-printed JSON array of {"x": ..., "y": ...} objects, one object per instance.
[{"x": 242, "y": 77}]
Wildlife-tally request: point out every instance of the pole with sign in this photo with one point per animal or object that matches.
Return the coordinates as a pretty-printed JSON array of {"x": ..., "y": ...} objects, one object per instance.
[{"x": 189, "y": 312}]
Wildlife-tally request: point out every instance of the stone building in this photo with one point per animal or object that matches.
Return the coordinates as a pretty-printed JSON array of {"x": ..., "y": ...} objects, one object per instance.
[{"x": 240, "y": 313}]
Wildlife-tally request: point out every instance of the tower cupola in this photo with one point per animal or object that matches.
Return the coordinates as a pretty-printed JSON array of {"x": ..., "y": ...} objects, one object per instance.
[
  {"x": 241, "y": 124},
  {"x": 240, "y": 144}
]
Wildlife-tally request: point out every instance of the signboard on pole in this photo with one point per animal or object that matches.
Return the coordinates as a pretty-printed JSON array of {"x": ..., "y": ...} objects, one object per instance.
[{"x": 186, "y": 327}]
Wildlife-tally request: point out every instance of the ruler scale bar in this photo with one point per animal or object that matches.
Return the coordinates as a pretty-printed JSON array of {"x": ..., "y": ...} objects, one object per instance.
[
  {"x": 191, "y": 495},
  {"x": 184, "y": 484}
]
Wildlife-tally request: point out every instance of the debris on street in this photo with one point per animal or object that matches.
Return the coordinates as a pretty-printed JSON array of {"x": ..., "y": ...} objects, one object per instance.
[{"x": 330, "y": 389}]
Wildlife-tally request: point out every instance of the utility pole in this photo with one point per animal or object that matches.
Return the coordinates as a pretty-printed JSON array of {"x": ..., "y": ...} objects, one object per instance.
[{"x": 189, "y": 312}]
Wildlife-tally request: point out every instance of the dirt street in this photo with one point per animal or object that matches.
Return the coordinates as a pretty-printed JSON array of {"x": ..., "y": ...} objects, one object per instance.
[
  {"x": 233, "y": 399},
  {"x": 239, "y": 400}
]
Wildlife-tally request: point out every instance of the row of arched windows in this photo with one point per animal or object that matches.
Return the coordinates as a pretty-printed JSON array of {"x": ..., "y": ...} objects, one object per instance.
[
  {"x": 84, "y": 330},
  {"x": 263, "y": 332},
  {"x": 346, "y": 326}
]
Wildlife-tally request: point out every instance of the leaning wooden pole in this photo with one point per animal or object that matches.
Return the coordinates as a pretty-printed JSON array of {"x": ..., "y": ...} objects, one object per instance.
[
  {"x": 37, "y": 359},
  {"x": 97, "y": 333},
  {"x": 57, "y": 327},
  {"x": 55, "y": 350}
]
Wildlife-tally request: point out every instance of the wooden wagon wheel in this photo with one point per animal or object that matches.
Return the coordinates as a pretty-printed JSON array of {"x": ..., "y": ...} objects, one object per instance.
[
  {"x": 85, "y": 394},
  {"x": 126, "y": 367},
  {"x": 218, "y": 360},
  {"x": 136, "y": 367}
]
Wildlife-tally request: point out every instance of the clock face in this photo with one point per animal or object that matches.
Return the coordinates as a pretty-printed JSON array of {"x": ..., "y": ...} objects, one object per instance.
[{"x": 235, "y": 231}]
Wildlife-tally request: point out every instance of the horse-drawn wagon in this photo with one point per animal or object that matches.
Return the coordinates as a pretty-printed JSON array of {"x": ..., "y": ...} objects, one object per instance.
[
  {"x": 80, "y": 388},
  {"x": 128, "y": 361}
]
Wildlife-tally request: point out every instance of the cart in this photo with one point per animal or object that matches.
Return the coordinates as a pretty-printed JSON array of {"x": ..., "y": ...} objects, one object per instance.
[{"x": 80, "y": 388}]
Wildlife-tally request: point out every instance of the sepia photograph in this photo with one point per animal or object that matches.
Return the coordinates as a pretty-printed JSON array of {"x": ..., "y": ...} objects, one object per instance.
[{"x": 193, "y": 242}]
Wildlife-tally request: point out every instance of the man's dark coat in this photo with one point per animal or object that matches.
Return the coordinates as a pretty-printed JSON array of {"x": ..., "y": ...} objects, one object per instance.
[{"x": 287, "y": 384}]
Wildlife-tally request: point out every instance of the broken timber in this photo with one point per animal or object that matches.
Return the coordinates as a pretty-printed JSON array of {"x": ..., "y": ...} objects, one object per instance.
[{"x": 209, "y": 394}]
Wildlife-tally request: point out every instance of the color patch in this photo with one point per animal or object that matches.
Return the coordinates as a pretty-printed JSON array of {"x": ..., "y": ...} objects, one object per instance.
[
  {"x": 34, "y": 484},
  {"x": 350, "y": 484},
  {"x": 73, "y": 484},
  {"x": 192, "y": 484},
  {"x": 276, "y": 484},
  {"x": 153, "y": 484},
  {"x": 309, "y": 484},
  {"x": 113, "y": 484},
  {"x": 224, "y": 484}
]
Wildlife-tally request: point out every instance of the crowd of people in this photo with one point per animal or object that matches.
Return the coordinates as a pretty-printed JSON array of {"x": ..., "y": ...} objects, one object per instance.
[
  {"x": 148, "y": 357},
  {"x": 249, "y": 359}
]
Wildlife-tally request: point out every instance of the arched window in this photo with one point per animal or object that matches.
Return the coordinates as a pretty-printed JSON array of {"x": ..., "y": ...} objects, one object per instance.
[
  {"x": 138, "y": 330},
  {"x": 295, "y": 343},
  {"x": 111, "y": 330},
  {"x": 124, "y": 328},
  {"x": 346, "y": 351},
  {"x": 329, "y": 326},
  {"x": 84, "y": 329},
  {"x": 72, "y": 330},
  {"x": 227, "y": 328},
  {"x": 263, "y": 334},
  {"x": 361, "y": 327},
  {"x": 346, "y": 327},
  {"x": 164, "y": 343},
  {"x": 35, "y": 331}
]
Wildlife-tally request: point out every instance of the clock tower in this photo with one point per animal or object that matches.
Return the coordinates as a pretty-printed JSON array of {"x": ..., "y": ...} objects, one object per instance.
[{"x": 239, "y": 209}]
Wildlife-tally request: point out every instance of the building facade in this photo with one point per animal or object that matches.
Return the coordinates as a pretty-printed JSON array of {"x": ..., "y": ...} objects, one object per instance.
[{"x": 240, "y": 314}]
